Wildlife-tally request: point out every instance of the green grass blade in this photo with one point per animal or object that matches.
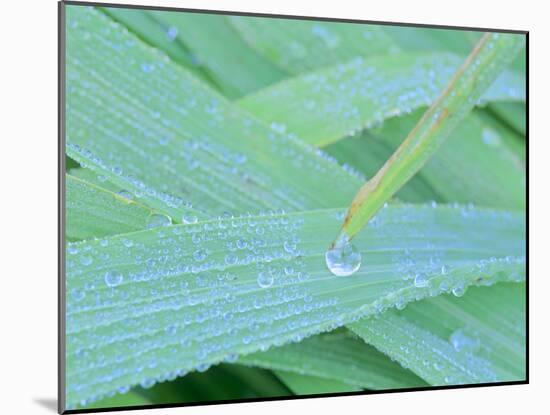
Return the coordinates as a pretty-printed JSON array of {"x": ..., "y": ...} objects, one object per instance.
[
  {"x": 431, "y": 39},
  {"x": 94, "y": 212},
  {"x": 210, "y": 157},
  {"x": 127, "y": 293},
  {"x": 481, "y": 162},
  {"x": 488, "y": 59},
  {"x": 475, "y": 339},
  {"x": 329, "y": 104},
  {"x": 337, "y": 356},
  {"x": 143, "y": 24},
  {"x": 300, "y": 45},
  {"x": 311, "y": 385},
  {"x": 217, "y": 47}
]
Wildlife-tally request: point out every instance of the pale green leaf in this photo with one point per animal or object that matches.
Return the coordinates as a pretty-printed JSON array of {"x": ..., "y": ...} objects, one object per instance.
[
  {"x": 93, "y": 211},
  {"x": 480, "y": 163},
  {"x": 179, "y": 147},
  {"x": 222, "y": 52},
  {"x": 487, "y": 60},
  {"x": 479, "y": 338},
  {"x": 301, "y": 45},
  {"x": 329, "y": 104},
  {"x": 311, "y": 385},
  {"x": 154, "y": 304},
  {"x": 339, "y": 357}
]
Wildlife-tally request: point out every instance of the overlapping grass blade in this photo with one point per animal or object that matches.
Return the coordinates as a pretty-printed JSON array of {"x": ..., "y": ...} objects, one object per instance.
[
  {"x": 480, "y": 163},
  {"x": 487, "y": 60},
  {"x": 143, "y": 24},
  {"x": 149, "y": 305},
  {"x": 311, "y": 385},
  {"x": 301, "y": 45},
  {"x": 479, "y": 338},
  {"x": 328, "y": 104},
  {"x": 208, "y": 156},
  {"x": 337, "y": 356},
  {"x": 218, "y": 48},
  {"x": 95, "y": 212}
]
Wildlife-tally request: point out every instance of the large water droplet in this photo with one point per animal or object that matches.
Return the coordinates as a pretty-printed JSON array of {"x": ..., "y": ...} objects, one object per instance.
[
  {"x": 113, "y": 278},
  {"x": 343, "y": 259},
  {"x": 156, "y": 220},
  {"x": 265, "y": 279}
]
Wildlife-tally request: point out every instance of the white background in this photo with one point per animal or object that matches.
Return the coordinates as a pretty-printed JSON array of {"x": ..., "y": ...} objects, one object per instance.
[{"x": 28, "y": 254}]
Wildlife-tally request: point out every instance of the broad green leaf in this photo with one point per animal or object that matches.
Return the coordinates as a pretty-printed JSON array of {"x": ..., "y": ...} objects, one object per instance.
[
  {"x": 301, "y": 45},
  {"x": 217, "y": 47},
  {"x": 179, "y": 147},
  {"x": 161, "y": 302},
  {"x": 329, "y": 104},
  {"x": 311, "y": 385},
  {"x": 337, "y": 356},
  {"x": 480, "y": 162},
  {"x": 475, "y": 339},
  {"x": 432, "y": 39},
  {"x": 487, "y": 60},
  {"x": 93, "y": 211}
]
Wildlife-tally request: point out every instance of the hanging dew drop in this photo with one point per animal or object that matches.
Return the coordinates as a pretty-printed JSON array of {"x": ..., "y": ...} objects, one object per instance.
[{"x": 343, "y": 259}]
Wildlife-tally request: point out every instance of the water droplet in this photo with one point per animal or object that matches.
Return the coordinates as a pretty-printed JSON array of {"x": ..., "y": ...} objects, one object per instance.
[
  {"x": 147, "y": 67},
  {"x": 231, "y": 357},
  {"x": 344, "y": 259},
  {"x": 86, "y": 260},
  {"x": 421, "y": 280},
  {"x": 459, "y": 290},
  {"x": 289, "y": 247},
  {"x": 462, "y": 342},
  {"x": 188, "y": 219},
  {"x": 147, "y": 383},
  {"x": 203, "y": 367},
  {"x": 200, "y": 255},
  {"x": 113, "y": 278},
  {"x": 231, "y": 259},
  {"x": 78, "y": 295},
  {"x": 265, "y": 280},
  {"x": 71, "y": 249},
  {"x": 156, "y": 220},
  {"x": 125, "y": 194},
  {"x": 490, "y": 137},
  {"x": 128, "y": 243},
  {"x": 172, "y": 33}
]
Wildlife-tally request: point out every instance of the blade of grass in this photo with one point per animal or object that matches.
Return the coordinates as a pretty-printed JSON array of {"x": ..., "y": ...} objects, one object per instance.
[
  {"x": 311, "y": 385},
  {"x": 216, "y": 46},
  {"x": 127, "y": 293},
  {"x": 329, "y": 104},
  {"x": 447, "y": 340},
  {"x": 481, "y": 162},
  {"x": 337, "y": 356},
  {"x": 210, "y": 157},
  {"x": 94, "y": 212},
  {"x": 487, "y": 60},
  {"x": 300, "y": 45}
]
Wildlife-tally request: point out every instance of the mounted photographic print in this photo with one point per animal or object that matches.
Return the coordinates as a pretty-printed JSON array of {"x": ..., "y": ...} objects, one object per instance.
[{"x": 261, "y": 207}]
